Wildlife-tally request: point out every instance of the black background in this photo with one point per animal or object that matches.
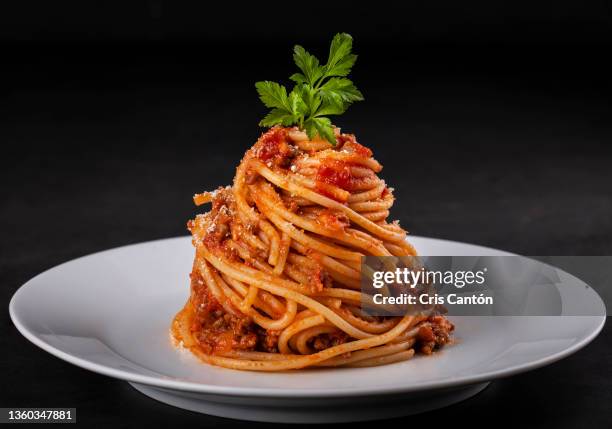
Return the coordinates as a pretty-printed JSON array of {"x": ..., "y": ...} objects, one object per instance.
[{"x": 492, "y": 121}]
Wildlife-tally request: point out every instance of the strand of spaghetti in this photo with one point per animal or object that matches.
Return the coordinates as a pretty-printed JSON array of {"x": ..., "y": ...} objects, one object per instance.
[
  {"x": 305, "y": 313},
  {"x": 355, "y": 297},
  {"x": 302, "y": 338},
  {"x": 350, "y": 158},
  {"x": 214, "y": 288},
  {"x": 371, "y": 206},
  {"x": 276, "y": 286},
  {"x": 384, "y": 360},
  {"x": 335, "y": 192},
  {"x": 296, "y": 327},
  {"x": 239, "y": 231},
  {"x": 245, "y": 211},
  {"x": 368, "y": 195},
  {"x": 285, "y": 183},
  {"x": 364, "y": 325},
  {"x": 376, "y": 216},
  {"x": 343, "y": 294},
  {"x": 343, "y": 280},
  {"x": 365, "y": 184},
  {"x": 249, "y": 299},
  {"x": 358, "y": 312},
  {"x": 361, "y": 172},
  {"x": 264, "y": 301},
  {"x": 329, "y": 302},
  {"x": 248, "y": 256},
  {"x": 330, "y": 263},
  {"x": 255, "y": 356},
  {"x": 346, "y": 267},
  {"x": 395, "y": 249},
  {"x": 285, "y": 245},
  {"x": 411, "y": 333},
  {"x": 399, "y": 249},
  {"x": 367, "y": 354},
  {"x": 272, "y": 233},
  {"x": 302, "y": 141},
  {"x": 301, "y": 261},
  {"x": 303, "y": 361}
]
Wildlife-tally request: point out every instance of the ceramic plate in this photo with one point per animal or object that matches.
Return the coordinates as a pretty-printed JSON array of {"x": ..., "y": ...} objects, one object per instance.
[{"x": 110, "y": 313}]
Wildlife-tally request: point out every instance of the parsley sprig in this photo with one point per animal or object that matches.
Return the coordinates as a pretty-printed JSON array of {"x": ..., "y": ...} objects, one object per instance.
[{"x": 319, "y": 91}]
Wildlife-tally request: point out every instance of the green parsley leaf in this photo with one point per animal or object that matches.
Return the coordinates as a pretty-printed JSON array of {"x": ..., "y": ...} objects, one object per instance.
[
  {"x": 319, "y": 91},
  {"x": 308, "y": 63},
  {"x": 342, "y": 88},
  {"x": 277, "y": 116},
  {"x": 272, "y": 94},
  {"x": 340, "y": 60},
  {"x": 309, "y": 97},
  {"x": 298, "y": 78},
  {"x": 331, "y": 105},
  {"x": 324, "y": 129},
  {"x": 297, "y": 105}
]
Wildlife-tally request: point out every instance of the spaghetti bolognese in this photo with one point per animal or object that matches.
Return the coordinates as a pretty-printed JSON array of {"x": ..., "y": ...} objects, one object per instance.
[{"x": 275, "y": 283}]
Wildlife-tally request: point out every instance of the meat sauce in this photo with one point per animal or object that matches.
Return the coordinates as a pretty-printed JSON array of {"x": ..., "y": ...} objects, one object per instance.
[
  {"x": 219, "y": 332},
  {"x": 434, "y": 335},
  {"x": 273, "y": 147},
  {"x": 215, "y": 330}
]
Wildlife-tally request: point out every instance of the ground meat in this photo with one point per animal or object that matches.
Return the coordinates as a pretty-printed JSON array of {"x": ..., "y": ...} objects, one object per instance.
[
  {"x": 319, "y": 279},
  {"x": 216, "y": 330},
  {"x": 434, "y": 334},
  {"x": 267, "y": 340},
  {"x": 222, "y": 332},
  {"x": 325, "y": 341}
]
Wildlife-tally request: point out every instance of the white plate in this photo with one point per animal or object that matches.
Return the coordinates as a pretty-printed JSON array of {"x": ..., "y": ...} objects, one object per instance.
[{"x": 110, "y": 312}]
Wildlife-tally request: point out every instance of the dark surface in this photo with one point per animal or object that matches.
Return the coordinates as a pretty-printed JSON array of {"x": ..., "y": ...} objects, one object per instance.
[{"x": 492, "y": 129}]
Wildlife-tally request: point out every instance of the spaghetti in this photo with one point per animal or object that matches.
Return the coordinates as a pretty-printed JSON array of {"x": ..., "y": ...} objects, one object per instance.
[{"x": 276, "y": 276}]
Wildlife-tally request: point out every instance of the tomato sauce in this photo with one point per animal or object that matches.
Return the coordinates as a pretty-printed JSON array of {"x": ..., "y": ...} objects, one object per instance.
[
  {"x": 335, "y": 172},
  {"x": 349, "y": 142},
  {"x": 273, "y": 146}
]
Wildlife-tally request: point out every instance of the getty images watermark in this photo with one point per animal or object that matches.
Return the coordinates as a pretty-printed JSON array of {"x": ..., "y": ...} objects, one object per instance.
[{"x": 474, "y": 285}]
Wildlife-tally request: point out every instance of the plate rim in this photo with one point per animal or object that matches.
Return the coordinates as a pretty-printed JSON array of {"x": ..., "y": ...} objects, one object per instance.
[{"x": 271, "y": 392}]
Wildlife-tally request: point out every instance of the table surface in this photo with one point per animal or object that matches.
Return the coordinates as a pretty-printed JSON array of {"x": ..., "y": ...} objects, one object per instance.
[{"x": 86, "y": 168}]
